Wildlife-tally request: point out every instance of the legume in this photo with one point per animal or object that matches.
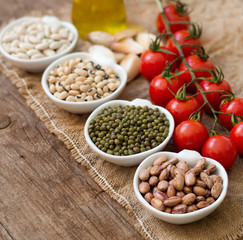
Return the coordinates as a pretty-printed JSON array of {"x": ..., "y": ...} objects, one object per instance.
[
  {"x": 36, "y": 39},
  {"x": 127, "y": 130},
  {"x": 82, "y": 80},
  {"x": 166, "y": 185}
]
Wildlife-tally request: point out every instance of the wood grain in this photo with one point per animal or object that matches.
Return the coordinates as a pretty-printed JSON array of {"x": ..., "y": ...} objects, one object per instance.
[{"x": 44, "y": 193}]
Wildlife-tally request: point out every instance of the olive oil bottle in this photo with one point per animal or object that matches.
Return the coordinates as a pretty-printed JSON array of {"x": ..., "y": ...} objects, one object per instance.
[{"x": 102, "y": 15}]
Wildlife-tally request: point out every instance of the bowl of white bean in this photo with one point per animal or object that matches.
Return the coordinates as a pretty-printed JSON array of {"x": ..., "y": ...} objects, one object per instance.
[
  {"x": 180, "y": 188},
  {"x": 80, "y": 82},
  {"x": 32, "y": 43}
]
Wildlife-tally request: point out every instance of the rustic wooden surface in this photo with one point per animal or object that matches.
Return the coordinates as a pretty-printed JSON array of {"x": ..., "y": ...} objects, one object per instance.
[{"x": 44, "y": 193}]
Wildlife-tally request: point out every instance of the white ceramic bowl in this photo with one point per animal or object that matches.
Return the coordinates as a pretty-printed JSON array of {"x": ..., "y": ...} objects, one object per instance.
[
  {"x": 191, "y": 157},
  {"x": 84, "y": 107},
  {"x": 37, "y": 65},
  {"x": 130, "y": 160}
]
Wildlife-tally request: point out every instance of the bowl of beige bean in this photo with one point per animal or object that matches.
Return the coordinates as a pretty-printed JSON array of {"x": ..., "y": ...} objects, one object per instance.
[
  {"x": 80, "y": 82},
  {"x": 180, "y": 188},
  {"x": 32, "y": 43}
]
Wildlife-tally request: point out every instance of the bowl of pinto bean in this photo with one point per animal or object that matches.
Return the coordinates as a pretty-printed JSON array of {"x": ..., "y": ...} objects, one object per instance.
[
  {"x": 80, "y": 82},
  {"x": 180, "y": 188}
]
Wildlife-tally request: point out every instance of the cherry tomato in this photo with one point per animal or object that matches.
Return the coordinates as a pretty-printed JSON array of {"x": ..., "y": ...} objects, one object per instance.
[
  {"x": 182, "y": 109},
  {"x": 235, "y": 106},
  {"x": 221, "y": 149},
  {"x": 213, "y": 98},
  {"x": 153, "y": 63},
  {"x": 172, "y": 15},
  {"x": 179, "y": 36},
  {"x": 159, "y": 90},
  {"x": 190, "y": 134},
  {"x": 195, "y": 62},
  {"x": 236, "y": 135}
]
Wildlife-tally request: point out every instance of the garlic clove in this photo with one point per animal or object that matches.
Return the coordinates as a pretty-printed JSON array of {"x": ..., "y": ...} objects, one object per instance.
[
  {"x": 101, "y": 38},
  {"x": 101, "y": 51},
  {"x": 126, "y": 33},
  {"x": 131, "y": 64},
  {"x": 127, "y": 45},
  {"x": 119, "y": 56},
  {"x": 144, "y": 39}
]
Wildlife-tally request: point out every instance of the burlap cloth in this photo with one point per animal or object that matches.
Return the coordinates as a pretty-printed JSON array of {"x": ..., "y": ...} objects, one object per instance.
[{"x": 223, "y": 40}]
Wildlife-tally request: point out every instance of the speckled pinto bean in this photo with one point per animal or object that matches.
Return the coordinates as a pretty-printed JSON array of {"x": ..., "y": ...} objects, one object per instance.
[
  {"x": 163, "y": 185},
  {"x": 83, "y": 78}
]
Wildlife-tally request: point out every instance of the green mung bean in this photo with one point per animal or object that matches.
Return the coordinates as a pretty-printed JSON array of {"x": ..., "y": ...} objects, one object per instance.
[{"x": 127, "y": 130}]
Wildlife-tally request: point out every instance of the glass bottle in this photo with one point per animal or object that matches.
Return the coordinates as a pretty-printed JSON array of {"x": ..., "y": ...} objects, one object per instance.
[{"x": 94, "y": 15}]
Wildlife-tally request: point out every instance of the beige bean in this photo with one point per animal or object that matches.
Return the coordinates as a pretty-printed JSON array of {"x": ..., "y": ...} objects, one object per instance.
[
  {"x": 37, "y": 56},
  {"x": 158, "y": 204},
  {"x": 164, "y": 174},
  {"x": 56, "y": 94},
  {"x": 100, "y": 73},
  {"x": 91, "y": 92},
  {"x": 59, "y": 87},
  {"x": 216, "y": 189},
  {"x": 192, "y": 208},
  {"x": 199, "y": 190},
  {"x": 189, "y": 198},
  {"x": 102, "y": 84},
  {"x": 158, "y": 161},
  {"x": 203, "y": 204},
  {"x": 144, "y": 175},
  {"x": 180, "y": 194},
  {"x": 55, "y": 45},
  {"x": 153, "y": 181},
  {"x": 190, "y": 178},
  {"x": 52, "y": 88},
  {"x": 168, "y": 210},
  {"x": 55, "y": 37},
  {"x": 144, "y": 187},
  {"x": 100, "y": 91},
  {"x": 112, "y": 86},
  {"x": 163, "y": 185},
  {"x": 89, "y": 98},
  {"x": 52, "y": 79},
  {"x": 201, "y": 163},
  {"x": 84, "y": 88},
  {"x": 200, "y": 183},
  {"x": 159, "y": 195},
  {"x": 105, "y": 89},
  {"x": 155, "y": 170},
  {"x": 22, "y": 55},
  {"x": 183, "y": 165},
  {"x": 179, "y": 209},
  {"x": 205, "y": 178},
  {"x": 172, "y": 201},
  {"x": 49, "y": 52},
  {"x": 200, "y": 198},
  {"x": 70, "y": 99},
  {"x": 63, "y": 95},
  {"x": 75, "y": 86},
  {"x": 42, "y": 46},
  {"x": 73, "y": 92},
  {"x": 97, "y": 79},
  {"x": 187, "y": 189},
  {"x": 148, "y": 197},
  {"x": 171, "y": 191},
  {"x": 79, "y": 98},
  {"x": 179, "y": 179}
]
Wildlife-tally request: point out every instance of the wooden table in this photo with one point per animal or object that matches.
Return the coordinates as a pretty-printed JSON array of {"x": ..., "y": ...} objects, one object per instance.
[{"x": 47, "y": 197}]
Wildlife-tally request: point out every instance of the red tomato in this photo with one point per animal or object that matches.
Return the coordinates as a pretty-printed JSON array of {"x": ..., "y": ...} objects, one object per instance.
[
  {"x": 179, "y": 36},
  {"x": 153, "y": 63},
  {"x": 221, "y": 149},
  {"x": 195, "y": 62},
  {"x": 235, "y": 106},
  {"x": 213, "y": 98},
  {"x": 182, "y": 109},
  {"x": 191, "y": 135},
  {"x": 236, "y": 135},
  {"x": 159, "y": 90},
  {"x": 173, "y": 16}
]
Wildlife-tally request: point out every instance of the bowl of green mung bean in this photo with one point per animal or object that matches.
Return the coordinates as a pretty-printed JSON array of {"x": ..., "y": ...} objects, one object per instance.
[{"x": 126, "y": 132}]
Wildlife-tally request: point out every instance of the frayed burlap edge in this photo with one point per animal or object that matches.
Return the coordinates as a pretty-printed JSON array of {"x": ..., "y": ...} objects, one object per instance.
[{"x": 41, "y": 112}]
